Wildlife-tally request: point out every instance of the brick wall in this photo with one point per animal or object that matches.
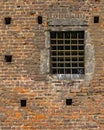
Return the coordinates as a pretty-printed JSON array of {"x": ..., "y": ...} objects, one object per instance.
[{"x": 28, "y": 76}]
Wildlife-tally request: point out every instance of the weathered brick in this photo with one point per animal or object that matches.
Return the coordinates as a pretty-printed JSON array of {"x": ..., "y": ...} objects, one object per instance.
[{"x": 28, "y": 75}]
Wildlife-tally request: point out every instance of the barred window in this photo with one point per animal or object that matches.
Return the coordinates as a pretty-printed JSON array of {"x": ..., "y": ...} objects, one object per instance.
[{"x": 67, "y": 52}]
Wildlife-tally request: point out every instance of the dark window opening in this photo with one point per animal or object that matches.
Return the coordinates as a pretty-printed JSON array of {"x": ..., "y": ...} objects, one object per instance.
[
  {"x": 8, "y": 58},
  {"x": 67, "y": 71},
  {"x": 60, "y": 48},
  {"x": 23, "y": 103},
  {"x": 53, "y": 35},
  {"x": 74, "y": 64},
  {"x": 60, "y": 53},
  {"x": 60, "y": 35},
  {"x": 60, "y": 42},
  {"x": 73, "y": 34},
  {"x": 73, "y": 42},
  {"x": 67, "y": 41},
  {"x": 96, "y": 19},
  {"x": 67, "y": 52},
  {"x": 97, "y": 0},
  {"x": 68, "y": 102},
  {"x": 53, "y": 42},
  {"x": 40, "y": 20},
  {"x": 18, "y": 6},
  {"x": 7, "y": 20},
  {"x": 74, "y": 47},
  {"x": 67, "y": 35},
  {"x": 54, "y": 71},
  {"x": 74, "y": 52}
]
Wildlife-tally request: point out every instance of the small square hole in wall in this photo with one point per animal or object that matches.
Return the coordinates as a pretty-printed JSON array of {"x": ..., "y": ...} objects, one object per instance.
[
  {"x": 18, "y": 6},
  {"x": 40, "y": 20},
  {"x": 68, "y": 102},
  {"x": 96, "y": 19},
  {"x": 97, "y": 0},
  {"x": 7, "y": 20},
  {"x": 8, "y": 58},
  {"x": 23, "y": 103}
]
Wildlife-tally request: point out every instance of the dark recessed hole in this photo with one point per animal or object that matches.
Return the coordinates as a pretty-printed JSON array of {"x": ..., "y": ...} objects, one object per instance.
[
  {"x": 8, "y": 58},
  {"x": 97, "y": 0},
  {"x": 7, "y": 20},
  {"x": 68, "y": 102},
  {"x": 40, "y": 20},
  {"x": 96, "y": 19},
  {"x": 23, "y": 103},
  {"x": 18, "y": 6}
]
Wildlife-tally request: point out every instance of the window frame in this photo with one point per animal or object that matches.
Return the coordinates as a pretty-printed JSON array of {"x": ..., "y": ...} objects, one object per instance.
[
  {"x": 63, "y": 38},
  {"x": 89, "y": 55}
]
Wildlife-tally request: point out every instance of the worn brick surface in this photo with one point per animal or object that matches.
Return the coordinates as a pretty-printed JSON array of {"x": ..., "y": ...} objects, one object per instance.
[{"x": 28, "y": 77}]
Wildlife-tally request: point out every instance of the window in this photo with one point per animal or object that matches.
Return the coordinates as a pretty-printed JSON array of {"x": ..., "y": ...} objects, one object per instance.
[
  {"x": 40, "y": 20},
  {"x": 97, "y": 0},
  {"x": 68, "y": 102},
  {"x": 7, "y": 20},
  {"x": 96, "y": 19},
  {"x": 8, "y": 58},
  {"x": 67, "y": 52},
  {"x": 23, "y": 103}
]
